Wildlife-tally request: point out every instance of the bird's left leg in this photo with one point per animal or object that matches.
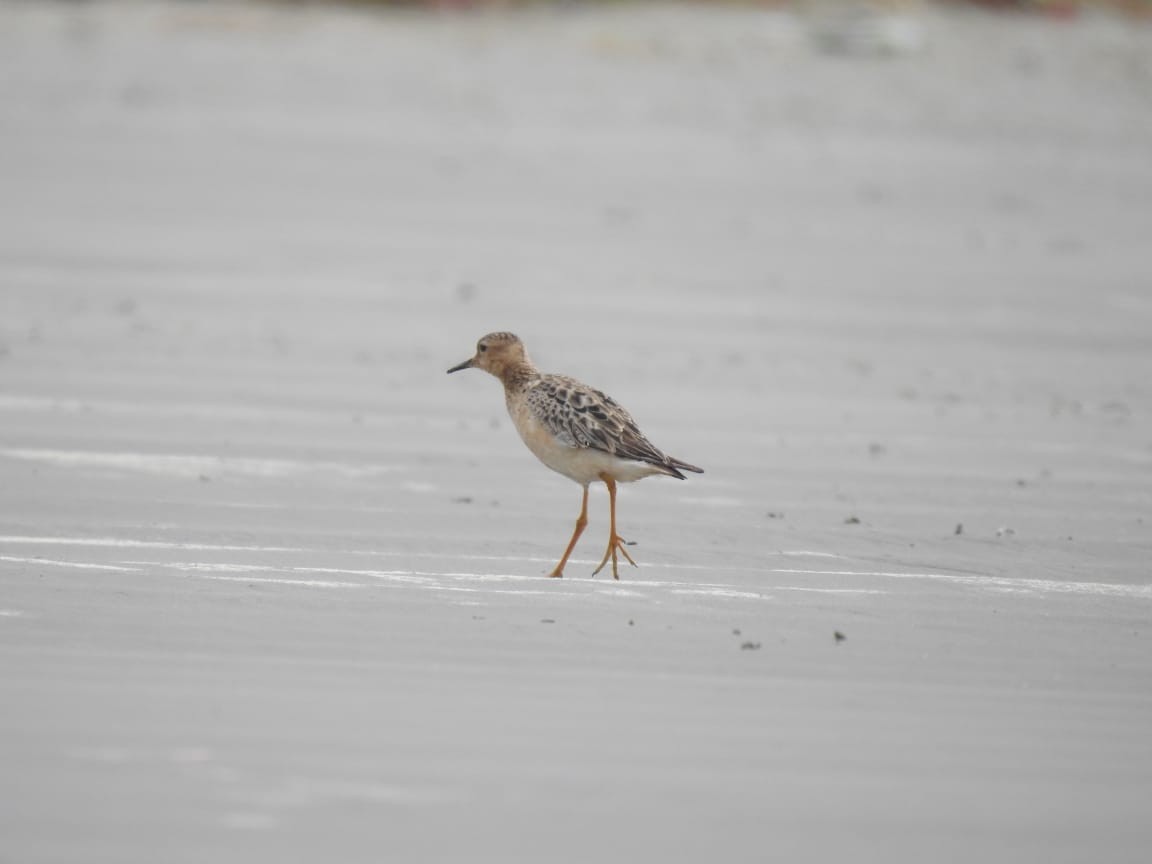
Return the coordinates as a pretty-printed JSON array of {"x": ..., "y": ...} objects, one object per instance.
[
  {"x": 581, "y": 521},
  {"x": 615, "y": 541}
]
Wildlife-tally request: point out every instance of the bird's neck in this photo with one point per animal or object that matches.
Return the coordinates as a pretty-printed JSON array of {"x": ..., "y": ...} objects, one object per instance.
[{"x": 517, "y": 377}]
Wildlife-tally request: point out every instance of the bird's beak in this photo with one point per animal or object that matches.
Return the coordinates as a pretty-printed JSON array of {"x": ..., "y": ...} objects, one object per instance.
[{"x": 467, "y": 364}]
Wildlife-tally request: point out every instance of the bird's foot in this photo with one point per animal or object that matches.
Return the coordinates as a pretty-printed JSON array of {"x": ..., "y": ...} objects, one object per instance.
[{"x": 615, "y": 543}]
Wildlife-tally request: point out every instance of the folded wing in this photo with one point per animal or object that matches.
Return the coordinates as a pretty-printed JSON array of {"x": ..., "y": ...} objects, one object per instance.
[{"x": 582, "y": 416}]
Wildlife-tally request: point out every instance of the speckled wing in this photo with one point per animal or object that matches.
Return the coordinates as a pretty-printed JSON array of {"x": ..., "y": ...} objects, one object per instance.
[{"x": 580, "y": 416}]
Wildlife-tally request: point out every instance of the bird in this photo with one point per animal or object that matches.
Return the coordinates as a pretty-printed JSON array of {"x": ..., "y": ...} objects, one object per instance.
[{"x": 575, "y": 430}]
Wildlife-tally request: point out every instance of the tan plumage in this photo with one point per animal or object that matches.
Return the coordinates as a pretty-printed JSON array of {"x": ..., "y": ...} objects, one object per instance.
[{"x": 574, "y": 429}]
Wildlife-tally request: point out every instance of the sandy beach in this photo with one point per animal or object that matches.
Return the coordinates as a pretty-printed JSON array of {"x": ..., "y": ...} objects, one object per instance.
[{"x": 272, "y": 584}]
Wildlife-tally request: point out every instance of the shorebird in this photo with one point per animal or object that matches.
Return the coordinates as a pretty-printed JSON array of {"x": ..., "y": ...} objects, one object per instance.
[{"x": 575, "y": 430}]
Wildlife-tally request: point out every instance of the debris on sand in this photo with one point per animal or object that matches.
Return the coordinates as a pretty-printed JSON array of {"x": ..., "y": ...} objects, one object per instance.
[
  {"x": 749, "y": 646},
  {"x": 959, "y": 529},
  {"x": 838, "y": 636},
  {"x": 852, "y": 520}
]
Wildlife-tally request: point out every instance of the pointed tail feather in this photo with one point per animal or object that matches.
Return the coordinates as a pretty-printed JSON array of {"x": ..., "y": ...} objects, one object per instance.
[{"x": 677, "y": 466}]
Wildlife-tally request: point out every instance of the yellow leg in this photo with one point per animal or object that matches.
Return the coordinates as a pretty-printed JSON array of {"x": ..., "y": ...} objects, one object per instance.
[
  {"x": 581, "y": 521},
  {"x": 615, "y": 541}
]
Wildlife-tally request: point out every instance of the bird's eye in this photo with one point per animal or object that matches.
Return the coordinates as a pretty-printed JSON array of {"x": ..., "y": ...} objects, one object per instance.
[{"x": 482, "y": 347}]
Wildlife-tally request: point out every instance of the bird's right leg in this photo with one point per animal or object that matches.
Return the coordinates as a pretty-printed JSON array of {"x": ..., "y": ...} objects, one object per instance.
[{"x": 581, "y": 521}]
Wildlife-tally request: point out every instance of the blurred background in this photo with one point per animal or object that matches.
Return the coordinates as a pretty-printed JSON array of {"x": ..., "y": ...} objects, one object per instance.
[
  {"x": 268, "y": 577},
  {"x": 786, "y": 235}
]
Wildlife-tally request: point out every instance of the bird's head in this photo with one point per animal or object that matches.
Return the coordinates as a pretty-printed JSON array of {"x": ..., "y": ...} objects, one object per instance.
[{"x": 496, "y": 353}]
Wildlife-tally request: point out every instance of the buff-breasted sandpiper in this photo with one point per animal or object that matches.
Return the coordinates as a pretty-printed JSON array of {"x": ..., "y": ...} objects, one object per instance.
[{"x": 574, "y": 430}]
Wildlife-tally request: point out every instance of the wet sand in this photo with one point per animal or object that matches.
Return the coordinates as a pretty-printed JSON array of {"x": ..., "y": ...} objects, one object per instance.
[{"x": 272, "y": 584}]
